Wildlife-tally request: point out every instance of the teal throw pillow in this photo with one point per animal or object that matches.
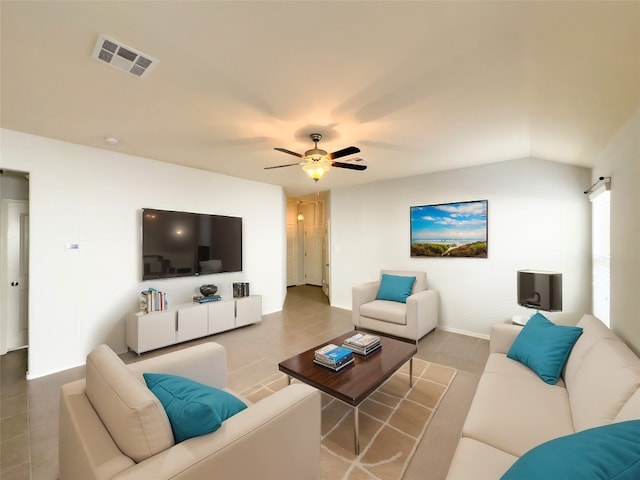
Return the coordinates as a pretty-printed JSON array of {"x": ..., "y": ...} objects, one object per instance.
[
  {"x": 396, "y": 288},
  {"x": 193, "y": 408},
  {"x": 544, "y": 347},
  {"x": 611, "y": 452}
]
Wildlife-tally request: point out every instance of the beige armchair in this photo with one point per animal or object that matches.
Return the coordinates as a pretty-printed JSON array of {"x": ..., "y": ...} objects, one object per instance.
[
  {"x": 112, "y": 426},
  {"x": 411, "y": 320}
]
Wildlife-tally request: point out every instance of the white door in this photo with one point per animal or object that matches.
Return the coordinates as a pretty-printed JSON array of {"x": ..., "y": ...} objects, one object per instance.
[
  {"x": 16, "y": 279},
  {"x": 313, "y": 262},
  {"x": 292, "y": 255},
  {"x": 327, "y": 262}
]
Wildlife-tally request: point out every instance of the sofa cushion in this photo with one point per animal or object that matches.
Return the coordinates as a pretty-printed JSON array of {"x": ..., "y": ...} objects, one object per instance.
[
  {"x": 474, "y": 460},
  {"x": 504, "y": 404},
  {"x": 395, "y": 288},
  {"x": 544, "y": 347},
  {"x": 193, "y": 408},
  {"x": 607, "y": 378},
  {"x": 631, "y": 409},
  {"x": 498, "y": 363},
  {"x": 608, "y": 452},
  {"x": 593, "y": 330},
  {"x": 392, "y": 312},
  {"x": 132, "y": 414}
]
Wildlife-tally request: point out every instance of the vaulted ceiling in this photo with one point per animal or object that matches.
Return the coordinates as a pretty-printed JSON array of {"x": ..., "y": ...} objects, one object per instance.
[{"x": 418, "y": 86}]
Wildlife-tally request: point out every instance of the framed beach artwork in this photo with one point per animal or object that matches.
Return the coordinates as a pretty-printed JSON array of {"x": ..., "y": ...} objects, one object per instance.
[{"x": 450, "y": 230}]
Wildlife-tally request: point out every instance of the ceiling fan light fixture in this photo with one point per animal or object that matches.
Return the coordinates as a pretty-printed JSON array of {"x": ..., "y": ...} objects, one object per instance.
[
  {"x": 316, "y": 170},
  {"x": 316, "y": 162},
  {"x": 315, "y": 154}
]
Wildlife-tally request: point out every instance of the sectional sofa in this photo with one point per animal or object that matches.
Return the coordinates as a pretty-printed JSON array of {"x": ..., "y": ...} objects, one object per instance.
[{"x": 584, "y": 426}]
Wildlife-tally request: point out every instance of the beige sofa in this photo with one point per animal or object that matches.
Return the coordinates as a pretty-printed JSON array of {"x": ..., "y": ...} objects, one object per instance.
[
  {"x": 514, "y": 410},
  {"x": 411, "y": 320},
  {"x": 112, "y": 426}
]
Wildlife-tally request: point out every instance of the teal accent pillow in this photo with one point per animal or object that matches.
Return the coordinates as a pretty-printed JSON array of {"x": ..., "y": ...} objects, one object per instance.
[
  {"x": 193, "y": 408},
  {"x": 396, "y": 288},
  {"x": 611, "y": 452},
  {"x": 544, "y": 347}
]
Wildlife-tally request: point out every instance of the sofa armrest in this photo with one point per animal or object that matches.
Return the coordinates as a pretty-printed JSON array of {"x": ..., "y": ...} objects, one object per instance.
[
  {"x": 422, "y": 312},
  {"x": 275, "y": 438},
  {"x": 205, "y": 363},
  {"x": 361, "y": 294},
  {"x": 85, "y": 448},
  {"x": 502, "y": 336}
]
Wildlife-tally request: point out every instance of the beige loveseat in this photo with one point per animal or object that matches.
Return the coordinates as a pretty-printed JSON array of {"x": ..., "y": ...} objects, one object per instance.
[
  {"x": 514, "y": 410},
  {"x": 112, "y": 426},
  {"x": 411, "y": 320}
]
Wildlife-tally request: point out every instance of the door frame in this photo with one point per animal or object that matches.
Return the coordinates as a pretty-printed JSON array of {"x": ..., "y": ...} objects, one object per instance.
[{"x": 4, "y": 275}]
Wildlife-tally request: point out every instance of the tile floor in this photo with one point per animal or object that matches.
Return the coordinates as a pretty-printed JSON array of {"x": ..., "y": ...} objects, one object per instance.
[{"x": 29, "y": 409}]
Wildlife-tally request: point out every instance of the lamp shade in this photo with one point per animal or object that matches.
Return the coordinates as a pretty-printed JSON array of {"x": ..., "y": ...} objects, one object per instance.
[
  {"x": 540, "y": 289},
  {"x": 317, "y": 168}
]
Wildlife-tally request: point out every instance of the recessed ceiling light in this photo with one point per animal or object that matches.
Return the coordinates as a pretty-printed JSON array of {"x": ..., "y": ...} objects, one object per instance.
[{"x": 111, "y": 141}]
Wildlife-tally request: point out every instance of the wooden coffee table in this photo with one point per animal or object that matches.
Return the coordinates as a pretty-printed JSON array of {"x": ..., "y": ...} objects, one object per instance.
[{"x": 357, "y": 381}]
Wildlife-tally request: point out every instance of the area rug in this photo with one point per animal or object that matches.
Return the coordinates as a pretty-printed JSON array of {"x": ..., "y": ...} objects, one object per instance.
[{"x": 392, "y": 423}]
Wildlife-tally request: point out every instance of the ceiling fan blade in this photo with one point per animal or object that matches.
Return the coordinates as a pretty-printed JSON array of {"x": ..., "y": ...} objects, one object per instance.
[
  {"x": 352, "y": 166},
  {"x": 284, "y": 150},
  {"x": 286, "y": 165},
  {"x": 343, "y": 153}
]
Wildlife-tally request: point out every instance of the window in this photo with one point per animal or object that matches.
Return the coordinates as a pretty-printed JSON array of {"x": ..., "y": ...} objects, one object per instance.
[{"x": 601, "y": 253}]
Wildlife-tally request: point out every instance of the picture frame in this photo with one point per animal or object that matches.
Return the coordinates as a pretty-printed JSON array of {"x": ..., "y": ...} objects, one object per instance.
[{"x": 450, "y": 230}]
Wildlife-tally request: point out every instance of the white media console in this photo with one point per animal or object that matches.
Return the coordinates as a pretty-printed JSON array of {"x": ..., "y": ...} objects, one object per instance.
[{"x": 148, "y": 331}]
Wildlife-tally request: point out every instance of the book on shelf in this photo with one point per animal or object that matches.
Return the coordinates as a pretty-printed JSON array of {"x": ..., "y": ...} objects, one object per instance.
[
  {"x": 152, "y": 300},
  {"x": 336, "y": 367},
  {"x": 205, "y": 299},
  {"x": 332, "y": 354}
]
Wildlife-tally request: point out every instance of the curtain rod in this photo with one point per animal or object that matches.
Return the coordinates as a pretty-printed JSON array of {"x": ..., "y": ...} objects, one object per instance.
[{"x": 596, "y": 183}]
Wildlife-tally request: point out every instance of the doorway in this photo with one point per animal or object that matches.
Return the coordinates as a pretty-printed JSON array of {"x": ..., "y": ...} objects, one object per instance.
[
  {"x": 306, "y": 242},
  {"x": 14, "y": 260}
]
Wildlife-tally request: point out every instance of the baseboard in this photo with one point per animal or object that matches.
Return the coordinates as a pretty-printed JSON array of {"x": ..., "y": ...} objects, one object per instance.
[{"x": 464, "y": 332}]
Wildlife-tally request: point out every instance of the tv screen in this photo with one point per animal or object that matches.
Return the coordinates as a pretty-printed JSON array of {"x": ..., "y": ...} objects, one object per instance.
[
  {"x": 179, "y": 244},
  {"x": 540, "y": 289}
]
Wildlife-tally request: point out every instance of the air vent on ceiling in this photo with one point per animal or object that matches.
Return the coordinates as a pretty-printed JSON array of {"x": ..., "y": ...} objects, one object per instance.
[{"x": 123, "y": 57}]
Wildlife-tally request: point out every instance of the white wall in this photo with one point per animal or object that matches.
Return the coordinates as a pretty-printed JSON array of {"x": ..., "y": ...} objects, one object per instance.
[
  {"x": 538, "y": 218},
  {"x": 621, "y": 162},
  {"x": 93, "y": 197}
]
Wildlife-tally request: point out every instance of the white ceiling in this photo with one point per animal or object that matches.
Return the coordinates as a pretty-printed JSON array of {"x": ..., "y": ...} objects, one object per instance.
[{"x": 417, "y": 86}]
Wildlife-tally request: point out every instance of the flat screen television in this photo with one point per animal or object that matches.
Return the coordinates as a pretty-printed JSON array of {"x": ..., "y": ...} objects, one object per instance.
[
  {"x": 180, "y": 244},
  {"x": 540, "y": 289}
]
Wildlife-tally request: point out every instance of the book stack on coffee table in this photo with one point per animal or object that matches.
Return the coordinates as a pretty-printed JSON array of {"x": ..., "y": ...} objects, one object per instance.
[
  {"x": 333, "y": 357},
  {"x": 362, "y": 343}
]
